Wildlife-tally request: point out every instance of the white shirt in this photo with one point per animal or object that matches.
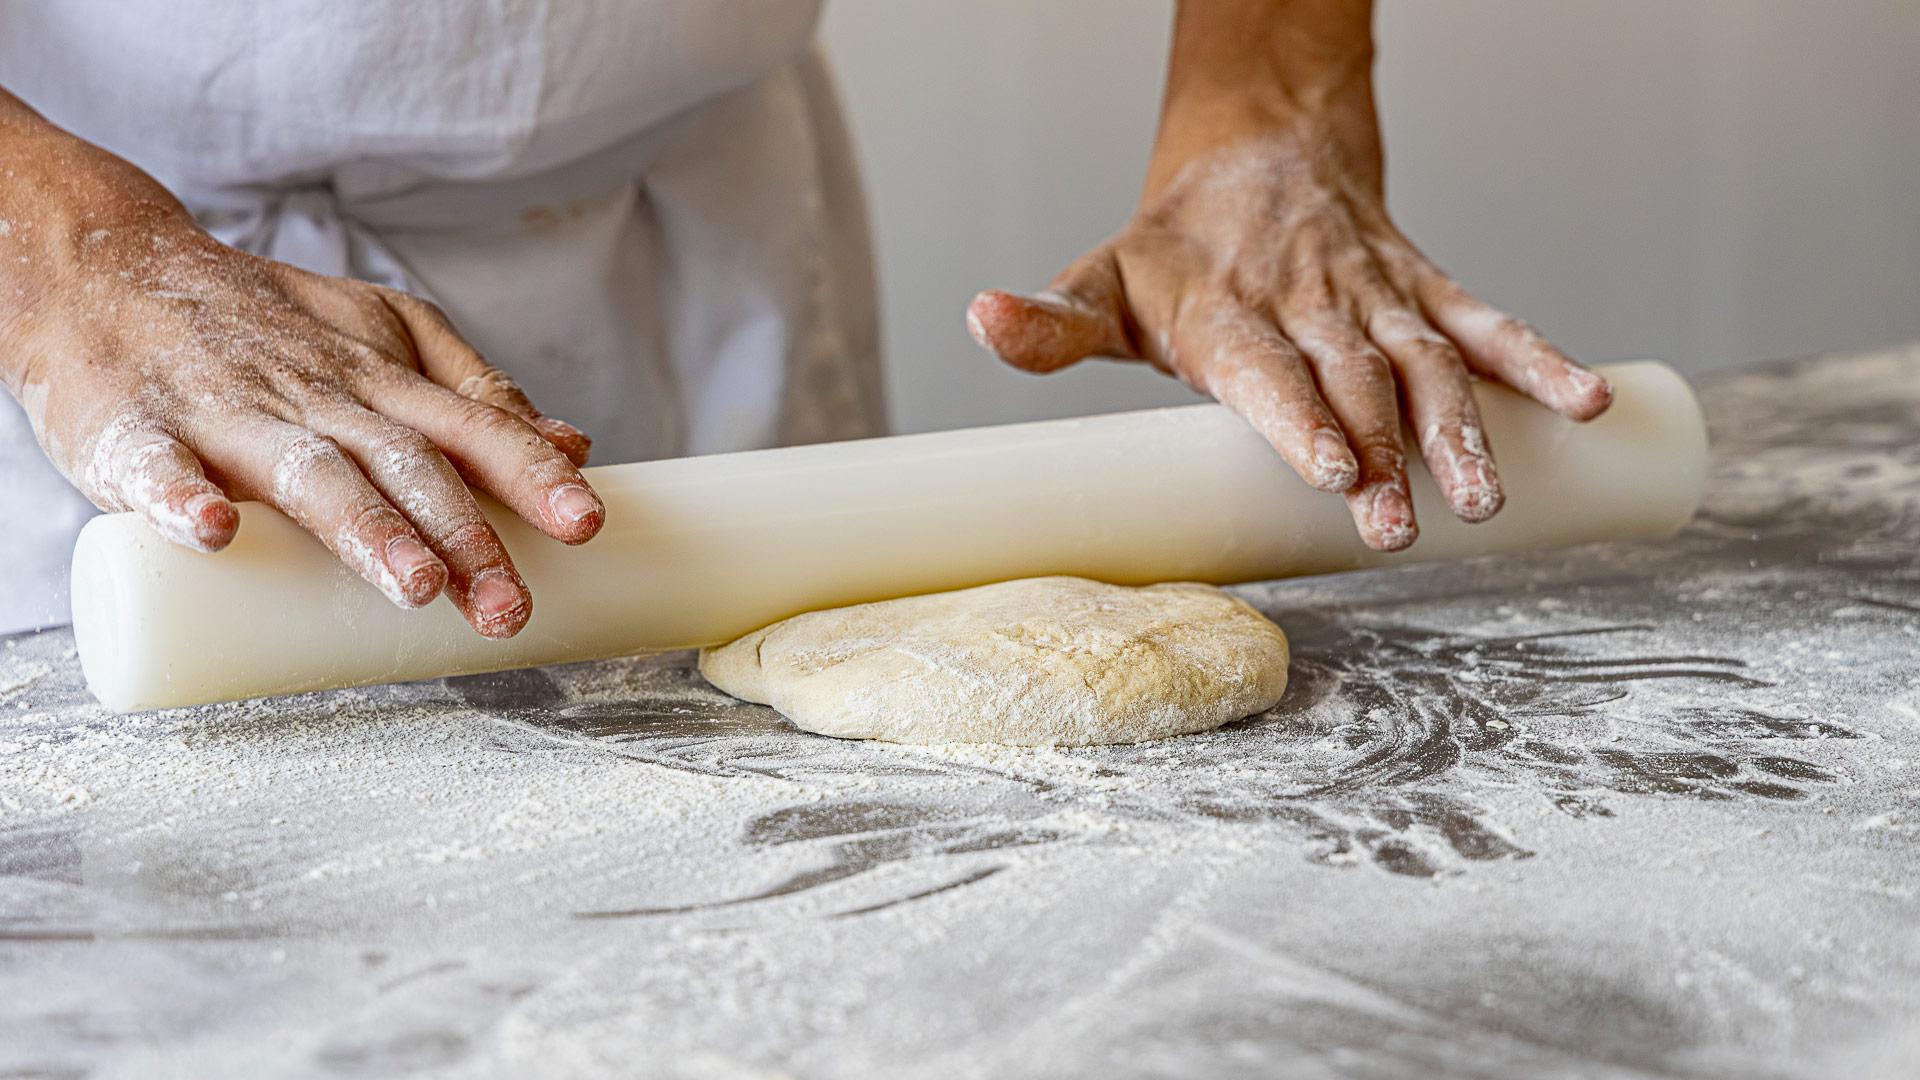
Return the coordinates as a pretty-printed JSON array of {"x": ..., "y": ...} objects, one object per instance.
[{"x": 646, "y": 211}]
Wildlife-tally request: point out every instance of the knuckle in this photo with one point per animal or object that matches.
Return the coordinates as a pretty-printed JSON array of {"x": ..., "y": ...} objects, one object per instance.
[
  {"x": 1437, "y": 367},
  {"x": 1513, "y": 333},
  {"x": 298, "y": 462},
  {"x": 1396, "y": 253},
  {"x": 374, "y": 519},
  {"x": 550, "y": 467},
  {"x": 311, "y": 449},
  {"x": 409, "y": 303},
  {"x": 1233, "y": 333},
  {"x": 1307, "y": 308},
  {"x": 1448, "y": 400},
  {"x": 1441, "y": 433},
  {"x": 1441, "y": 291},
  {"x": 1362, "y": 286},
  {"x": 1380, "y": 456},
  {"x": 399, "y": 445},
  {"x": 471, "y": 537},
  {"x": 149, "y": 470},
  {"x": 301, "y": 378},
  {"x": 1366, "y": 366},
  {"x": 1269, "y": 342},
  {"x": 1546, "y": 356},
  {"x": 363, "y": 359},
  {"x": 1351, "y": 258},
  {"x": 1492, "y": 328},
  {"x": 1544, "y": 364},
  {"x": 392, "y": 304},
  {"x": 1410, "y": 338},
  {"x": 1394, "y": 324},
  {"x": 1323, "y": 328},
  {"x": 428, "y": 308},
  {"x": 489, "y": 420},
  {"x": 491, "y": 385}
]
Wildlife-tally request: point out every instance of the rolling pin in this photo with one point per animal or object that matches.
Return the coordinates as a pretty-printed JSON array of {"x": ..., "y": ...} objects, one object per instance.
[{"x": 701, "y": 550}]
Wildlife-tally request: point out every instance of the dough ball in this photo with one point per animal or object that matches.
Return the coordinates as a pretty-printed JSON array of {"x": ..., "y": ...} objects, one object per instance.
[{"x": 1054, "y": 661}]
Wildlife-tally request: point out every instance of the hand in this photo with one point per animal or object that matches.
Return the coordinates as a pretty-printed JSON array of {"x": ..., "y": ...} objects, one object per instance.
[
  {"x": 168, "y": 374},
  {"x": 1261, "y": 268}
]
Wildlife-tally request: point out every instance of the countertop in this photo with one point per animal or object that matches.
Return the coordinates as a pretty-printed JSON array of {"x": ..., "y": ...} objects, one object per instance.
[{"x": 1630, "y": 810}]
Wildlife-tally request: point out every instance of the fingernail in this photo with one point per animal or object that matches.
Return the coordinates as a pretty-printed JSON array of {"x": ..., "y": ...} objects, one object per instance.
[
  {"x": 1477, "y": 502},
  {"x": 977, "y": 329},
  {"x": 1389, "y": 514},
  {"x": 416, "y": 575},
  {"x": 1475, "y": 493},
  {"x": 559, "y": 429},
  {"x": 1587, "y": 391},
  {"x": 573, "y": 503},
  {"x": 410, "y": 558},
  {"x": 210, "y": 520},
  {"x": 198, "y": 506},
  {"x": 497, "y": 597},
  {"x": 1334, "y": 466}
]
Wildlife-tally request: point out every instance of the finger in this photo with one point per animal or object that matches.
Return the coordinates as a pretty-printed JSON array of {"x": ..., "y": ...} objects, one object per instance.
[
  {"x": 415, "y": 477},
  {"x": 1439, "y": 400},
  {"x": 1241, "y": 360},
  {"x": 1499, "y": 346},
  {"x": 1078, "y": 316},
  {"x": 311, "y": 479},
  {"x": 447, "y": 359},
  {"x": 500, "y": 454},
  {"x": 140, "y": 468},
  {"x": 1357, "y": 384}
]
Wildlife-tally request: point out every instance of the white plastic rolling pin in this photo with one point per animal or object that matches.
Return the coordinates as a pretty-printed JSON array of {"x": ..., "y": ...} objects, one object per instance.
[{"x": 701, "y": 550}]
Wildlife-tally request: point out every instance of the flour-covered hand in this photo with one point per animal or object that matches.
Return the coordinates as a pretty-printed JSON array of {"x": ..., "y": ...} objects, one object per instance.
[
  {"x": 1261, "y": 268},
  {"x": 168, "y": 374}
]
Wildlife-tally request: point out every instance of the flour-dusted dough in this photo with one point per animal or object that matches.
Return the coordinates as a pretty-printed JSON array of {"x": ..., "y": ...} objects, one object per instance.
[{"x": 1054, "y": 661}]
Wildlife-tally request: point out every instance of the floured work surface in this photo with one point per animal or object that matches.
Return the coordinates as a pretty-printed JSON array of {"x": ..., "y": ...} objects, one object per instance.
[{"x": 1633, "y": 810}]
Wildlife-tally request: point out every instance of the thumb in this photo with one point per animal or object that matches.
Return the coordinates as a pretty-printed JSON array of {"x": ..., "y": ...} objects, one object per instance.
[{"x": 1077, "y": 317}]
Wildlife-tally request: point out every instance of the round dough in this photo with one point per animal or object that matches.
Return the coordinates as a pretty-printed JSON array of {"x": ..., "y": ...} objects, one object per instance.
[{"x": 1054, "y": 661}]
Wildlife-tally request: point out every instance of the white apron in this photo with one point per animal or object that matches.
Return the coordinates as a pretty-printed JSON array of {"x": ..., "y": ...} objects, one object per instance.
[{"x": 646, "y": 211}]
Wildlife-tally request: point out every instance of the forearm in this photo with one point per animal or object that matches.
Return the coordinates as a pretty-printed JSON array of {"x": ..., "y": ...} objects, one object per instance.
[{"x": 1259, "y": 68}]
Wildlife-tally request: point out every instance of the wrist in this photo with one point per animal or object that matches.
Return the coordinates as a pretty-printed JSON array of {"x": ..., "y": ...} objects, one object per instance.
[
  {"x": 68, "y": 208},
  {"x": 1295, "y": 71}
]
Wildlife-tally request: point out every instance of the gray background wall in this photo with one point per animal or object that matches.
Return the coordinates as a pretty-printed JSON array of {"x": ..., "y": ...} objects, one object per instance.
[{"x": 1709, "y": 181}]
